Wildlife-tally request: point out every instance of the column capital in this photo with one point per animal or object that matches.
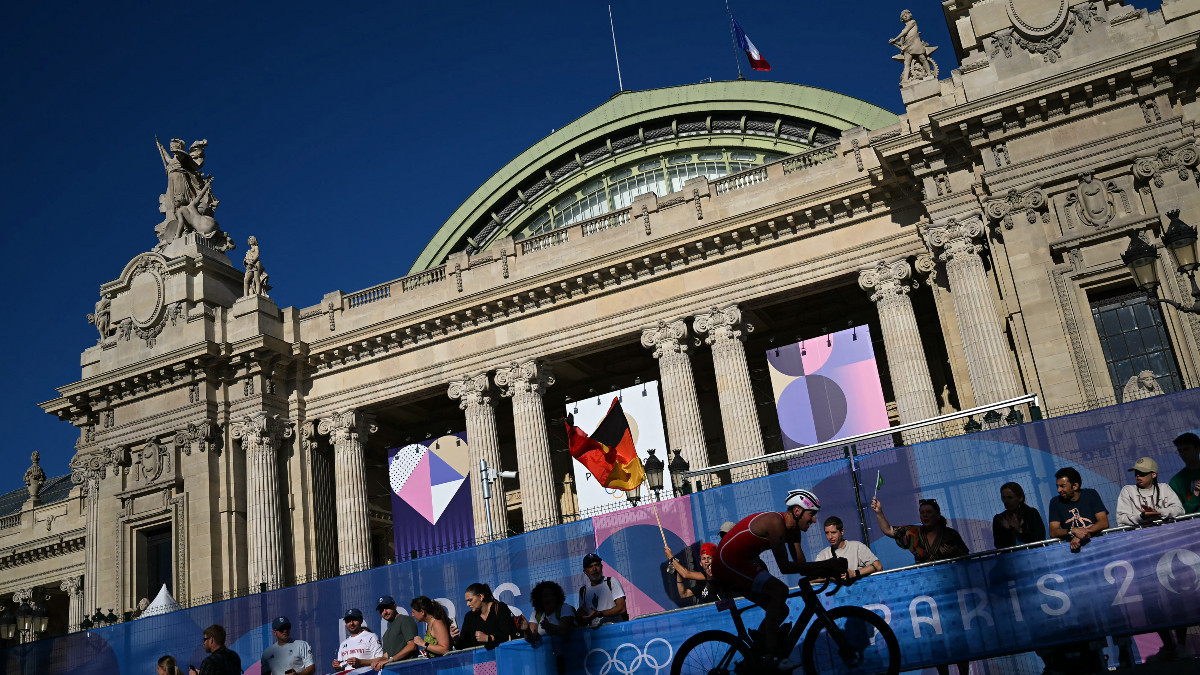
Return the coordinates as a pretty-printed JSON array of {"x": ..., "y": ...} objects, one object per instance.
[
  {"x": 666, "y": 338},
  {"x": 89, "y": 469},
  {"x": 261, "y": 430},
  {"x": 886, "y": 280},
  {"x": 721, "y": 323},
  {"x": 351, "y": 424},
  {"x": 956, "y": 239},
  {"x": 72, "y": 585},
  {"x": 524, "y": 377},
  {"x": 471, "y": 391}
]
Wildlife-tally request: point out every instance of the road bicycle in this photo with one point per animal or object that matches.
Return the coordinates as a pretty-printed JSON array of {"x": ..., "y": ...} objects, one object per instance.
[{"x": 844, "y": 639}]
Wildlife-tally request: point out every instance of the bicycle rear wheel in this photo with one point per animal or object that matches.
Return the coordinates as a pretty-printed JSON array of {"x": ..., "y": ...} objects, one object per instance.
[
  {"x": 868, "y": 644},
  {"x": 711, "y": 652}
]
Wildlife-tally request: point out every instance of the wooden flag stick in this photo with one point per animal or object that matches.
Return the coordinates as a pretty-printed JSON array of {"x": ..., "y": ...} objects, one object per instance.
[{"x": 660, "y": 527}]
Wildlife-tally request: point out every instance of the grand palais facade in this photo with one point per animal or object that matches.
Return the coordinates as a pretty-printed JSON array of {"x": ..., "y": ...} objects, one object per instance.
[{"x": 227, "y": 445}]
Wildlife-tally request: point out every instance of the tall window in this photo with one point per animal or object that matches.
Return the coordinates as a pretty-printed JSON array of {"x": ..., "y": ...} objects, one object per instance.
[
  {"x": 1134, "y": 339},
  {"x": 154, "y": 561}
]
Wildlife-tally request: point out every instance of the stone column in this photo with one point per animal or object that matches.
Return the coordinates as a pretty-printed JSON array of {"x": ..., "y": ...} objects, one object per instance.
[
  {"x": 526, "y": 382},
  {"x": 73, "y": 586},
  {"x": 472, "y": 394},
  {"x": 348, "y": 433},
  {"x": 86, "y": 471},
  {"x": 887, "y": 282},
  {"x": 739, "y": 414},
  {"x": 261, "y": 435},
  {"x": 669, "y": 341},
  {"x": 984, "y": 344}
]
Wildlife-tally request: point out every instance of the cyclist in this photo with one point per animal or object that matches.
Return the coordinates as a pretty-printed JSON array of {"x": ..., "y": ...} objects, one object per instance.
[{"x": 734, "y": 565}]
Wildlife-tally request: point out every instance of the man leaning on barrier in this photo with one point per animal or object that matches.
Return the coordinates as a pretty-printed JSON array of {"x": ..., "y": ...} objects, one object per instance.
[
  {"x": 1146, "y": 502},
  {"x": 1186, "y": 483},
  {"x": 1077, "y": 512},
  {"x": 863, "y": 561}
]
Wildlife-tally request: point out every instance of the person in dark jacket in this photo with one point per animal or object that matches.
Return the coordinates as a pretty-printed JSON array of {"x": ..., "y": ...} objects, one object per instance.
[
  {"x": 1018, "y": 522},
  {"x": 489, "y": 622},
  {"x": 221, "y": 660}
]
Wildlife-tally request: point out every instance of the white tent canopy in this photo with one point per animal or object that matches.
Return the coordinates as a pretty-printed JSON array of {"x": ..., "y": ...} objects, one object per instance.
[{"x": 163, "y": 603}]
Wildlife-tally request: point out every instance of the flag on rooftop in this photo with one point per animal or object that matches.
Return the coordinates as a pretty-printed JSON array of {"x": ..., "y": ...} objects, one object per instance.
[
  {"x": 608, "y": 453},
  {"x": 757, "y": 62}
]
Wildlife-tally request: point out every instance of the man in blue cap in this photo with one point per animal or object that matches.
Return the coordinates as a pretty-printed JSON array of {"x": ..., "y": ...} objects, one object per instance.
[
  {"x": 286, "y": 656},
  {"x": 361, "y": 648},
  {"x": 400, "y": 631}
]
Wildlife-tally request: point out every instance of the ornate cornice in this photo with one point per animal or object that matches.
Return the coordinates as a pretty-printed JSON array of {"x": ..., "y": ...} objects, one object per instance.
[{"x": 42, "y": 549}]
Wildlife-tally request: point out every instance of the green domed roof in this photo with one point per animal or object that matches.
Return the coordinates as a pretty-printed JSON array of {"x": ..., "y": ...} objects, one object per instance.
[{"x": 625, "y": 145}]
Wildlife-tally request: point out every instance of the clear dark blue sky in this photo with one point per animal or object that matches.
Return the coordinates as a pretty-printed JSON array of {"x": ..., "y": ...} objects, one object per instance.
[{"x": 341, "y": 134}]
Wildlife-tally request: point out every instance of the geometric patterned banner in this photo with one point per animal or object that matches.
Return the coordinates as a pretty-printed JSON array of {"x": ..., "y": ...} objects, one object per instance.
[{"x": 431, "y": 495}]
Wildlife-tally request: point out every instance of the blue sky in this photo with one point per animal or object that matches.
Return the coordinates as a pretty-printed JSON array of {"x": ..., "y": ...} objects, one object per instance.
[{"x": 342, "y": 136}]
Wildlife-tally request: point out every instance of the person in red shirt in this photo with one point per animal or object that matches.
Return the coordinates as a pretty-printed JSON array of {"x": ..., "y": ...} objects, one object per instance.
[{"x": 734, "y": 564}]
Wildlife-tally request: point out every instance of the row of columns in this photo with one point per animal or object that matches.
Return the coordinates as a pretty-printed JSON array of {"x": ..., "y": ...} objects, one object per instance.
[{"x": 723, "y": 328}]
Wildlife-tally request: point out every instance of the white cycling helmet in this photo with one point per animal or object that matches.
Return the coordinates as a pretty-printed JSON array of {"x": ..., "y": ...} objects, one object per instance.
[{"x": 805, "y": 499}]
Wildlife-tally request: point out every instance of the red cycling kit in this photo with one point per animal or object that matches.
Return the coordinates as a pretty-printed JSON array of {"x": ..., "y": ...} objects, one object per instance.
[{"x": 735, "y": 563}]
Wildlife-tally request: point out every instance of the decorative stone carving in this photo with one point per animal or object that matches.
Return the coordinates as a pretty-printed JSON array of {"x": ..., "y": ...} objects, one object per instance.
[
  {"x": 525, "y": 383},
  {"x": 1043, "y": 27},
  {"x": 35, "y": 476},
  {"x": 102, "y": 317},
  {"x": 1030, "y": 202},
  {"x": 1182, "y": 159},
  {"x": 255, "y": 280},
  {"x": 151, "y": 461},
  {"x": 1091, "y": 201},
  {"x": 685, "y": 430},
  {"x": 473, "y": 395},
  {"x": 889, "y": 285},
  {"x": 93, "y": 466},
  {"x": 739, "y": 414},
  {"x": 203, "y": 437},
  {"x": 914, "y": 52},
  {"x": 1140, "y": 386},
  {"x": 188, "y": 205},
  {"x": 264, "y": 432}
]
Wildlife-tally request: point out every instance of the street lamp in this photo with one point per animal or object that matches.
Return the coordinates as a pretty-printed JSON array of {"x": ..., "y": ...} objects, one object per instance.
[
  {"x": 41, "y": 621},
  {"x": 678, "y": 466},
  {"x": 8, "y": 624},
  {"x": 24, "y": 617},
  {"x": 654, "y": 473},
  {"x": 1142, "y": 258}
]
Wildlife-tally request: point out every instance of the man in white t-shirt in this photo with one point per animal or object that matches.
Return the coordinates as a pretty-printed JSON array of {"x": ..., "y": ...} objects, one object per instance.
[
  {"x": 862, "y": 560},
  {"x": 360, "y": 648},
  {"x": 286, "y": 656},
  {"x": 1146, "y": 502},
  {"x": 601, "y": 598}
]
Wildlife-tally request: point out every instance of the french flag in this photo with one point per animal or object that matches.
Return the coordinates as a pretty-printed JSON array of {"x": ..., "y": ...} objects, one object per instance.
[{"x": 757, "y": 62}]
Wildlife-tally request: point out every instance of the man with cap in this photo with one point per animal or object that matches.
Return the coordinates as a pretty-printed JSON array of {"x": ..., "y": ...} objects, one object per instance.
[
  {"x": 361, "y": 648},
  {"x": 1145, "y": 502},
  {"x": 400, "y": 631},
  {"x": 286, "y": 656},
  {"x": 1186, "y": 483},
  {"x": 601, "y": 599}
]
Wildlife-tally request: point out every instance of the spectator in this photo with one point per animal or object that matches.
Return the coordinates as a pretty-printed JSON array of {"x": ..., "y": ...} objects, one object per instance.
[
  {"x": 931, "y": 540},
  {"x": 221, "y": 660},
  {"x": 725, "y": 528},
  {"x": 1076, "y": 514},
  {"x": 400, "y": 632},
  {"x": 167, "y": 666},
  {"x": 601, "y": 599},
  {"x": 489, "y": 621},
  {"x": 1018, "y": 522},
  {"x": 552, "y": 615},
  {"x": 704, "y": 590},
  {"x": 862, "y": 560},
  {"x": 1186, "y": 483},
  {"x": 1145, "y": 502},
  {"x": 436, "y": 641},
  {"x": 362, "y": 648},
  {"x": 286, "y": 655}
]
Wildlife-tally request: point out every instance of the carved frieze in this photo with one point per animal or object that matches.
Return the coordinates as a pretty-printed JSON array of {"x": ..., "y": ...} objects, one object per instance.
[
  {"x": 1028, "y": 203},
  {"x": 1042, "y": 27}
]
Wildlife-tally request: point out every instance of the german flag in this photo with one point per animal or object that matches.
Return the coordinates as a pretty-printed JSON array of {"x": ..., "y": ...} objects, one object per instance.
[{"x": 608, "y": 453}]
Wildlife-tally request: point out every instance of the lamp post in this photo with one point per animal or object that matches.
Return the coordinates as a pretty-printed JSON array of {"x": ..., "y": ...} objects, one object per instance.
[
  {"x": 654, "y": 474},
  {"x": 678, "y": 466},
  {"x": 8, "y": 624},
  {"x": 41, "y": 619},
  {"x": 1142, "y": 258}
]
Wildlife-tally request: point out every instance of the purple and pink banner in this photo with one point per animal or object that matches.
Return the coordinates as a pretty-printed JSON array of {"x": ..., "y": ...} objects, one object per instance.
[{"x": 431, "y": 495}]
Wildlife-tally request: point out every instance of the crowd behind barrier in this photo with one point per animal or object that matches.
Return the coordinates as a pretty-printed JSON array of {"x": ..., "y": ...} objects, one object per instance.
[{"x": 1027, "y": 591}]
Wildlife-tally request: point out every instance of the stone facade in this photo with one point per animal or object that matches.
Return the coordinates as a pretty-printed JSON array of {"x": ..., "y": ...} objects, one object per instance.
[{"x": 980, "y": 224}]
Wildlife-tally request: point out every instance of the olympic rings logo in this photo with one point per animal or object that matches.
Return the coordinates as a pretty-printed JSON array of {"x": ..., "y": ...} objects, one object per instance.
[{"x": 616, "y": 665}]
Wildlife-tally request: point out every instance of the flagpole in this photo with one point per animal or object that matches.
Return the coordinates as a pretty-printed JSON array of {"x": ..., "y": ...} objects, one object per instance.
[
  {"x": 660, "y": 528},
  {"x": 620, "y": 84},
  {"x": 877, "y": 475},
  {"x": 733, "y": 42}
]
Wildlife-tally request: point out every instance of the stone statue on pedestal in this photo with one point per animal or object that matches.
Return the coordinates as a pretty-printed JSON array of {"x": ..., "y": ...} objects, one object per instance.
[
  {"x": 1140, "y": 386},
  {"x": 102, "y": 317},
  {"x": 35, "y": 476},
  {"x": 188, "y": 205},
  {"x": 255, "y": 281},
  {"x": 912, "y": 46}
]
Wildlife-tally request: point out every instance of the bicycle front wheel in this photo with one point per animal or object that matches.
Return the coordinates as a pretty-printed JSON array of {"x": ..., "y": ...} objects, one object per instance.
[
  {"x": 863, "y": 644},
  {"x": 711, "y": 652}
]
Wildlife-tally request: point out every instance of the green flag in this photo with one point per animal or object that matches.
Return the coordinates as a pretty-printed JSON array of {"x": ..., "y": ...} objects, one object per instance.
[{"x": 878, "y": 480}]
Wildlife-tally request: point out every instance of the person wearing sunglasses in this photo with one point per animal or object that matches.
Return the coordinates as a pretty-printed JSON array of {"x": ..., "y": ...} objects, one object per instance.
[
  {"x": 1145, "y": 502},
  {"x": 221, "y": 660}
]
